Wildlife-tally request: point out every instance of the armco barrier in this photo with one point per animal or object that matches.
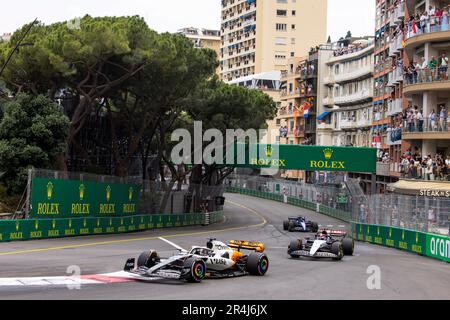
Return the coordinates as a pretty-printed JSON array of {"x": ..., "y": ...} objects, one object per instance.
[
  {"x": 33, "y": 229},
  {"x": 335, "y": 213},
  {"x": 422, "y": 243}
]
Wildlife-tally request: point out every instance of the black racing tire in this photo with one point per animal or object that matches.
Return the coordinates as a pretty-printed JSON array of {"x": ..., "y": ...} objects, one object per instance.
[
  {"x": 148, "y": 259},
  {"x": 295, "y": 245},
  {"x": 336, "y": 248},
  {"x": 257, "y": 264},
  {"x": 291, "y": 226},
  {"x": 348, "y": 245},
  {"x": 315, "y": 227},
  {"x": 285, "y": 225},
  {"x": 197, "y": 269}
]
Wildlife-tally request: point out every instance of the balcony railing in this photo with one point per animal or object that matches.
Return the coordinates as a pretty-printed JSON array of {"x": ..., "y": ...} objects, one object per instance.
[
  {"x": 427, "y": 76},
  {"x": 362, "y": 95},
  {"x": 395, "y": 107},
  {"x": 383, "y": 169},
  {"x": 328, "y": 101},
  {"x": 440, "y": 25},
  {"x": 360, "y": 72},
  {"x": 428, "y": 125}
]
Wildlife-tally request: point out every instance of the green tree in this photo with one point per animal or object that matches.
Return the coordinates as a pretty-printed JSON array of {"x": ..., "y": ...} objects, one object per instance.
[
  {"x": 91, "y": 61},
  {"x": 33, "y": 131}
]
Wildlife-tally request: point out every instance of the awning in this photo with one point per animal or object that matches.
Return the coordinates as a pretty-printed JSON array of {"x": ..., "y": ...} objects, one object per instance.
[
  {"x": 428, "y": 189},
  {"x": 323, "y": 115}
]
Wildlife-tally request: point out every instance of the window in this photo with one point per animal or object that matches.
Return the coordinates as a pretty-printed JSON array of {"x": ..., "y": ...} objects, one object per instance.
[
  {"x": 293, "y": 27},
  {"x": 292, "y": 40},
  {"x": 292, "y": 54},
  {"x": 281, "y": 13},
  {"x": 281, "y": 27},
  {"x": 294, "y": 13}
]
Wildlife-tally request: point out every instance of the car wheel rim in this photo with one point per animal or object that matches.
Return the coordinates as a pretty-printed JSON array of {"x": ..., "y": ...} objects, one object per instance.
[
  {"x": 263, "y": 265},
  {"x": 199, "y": 270}
]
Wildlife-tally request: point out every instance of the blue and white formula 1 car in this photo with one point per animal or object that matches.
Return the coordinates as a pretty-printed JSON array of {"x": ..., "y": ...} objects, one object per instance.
[{"x": 300, "y": 224}]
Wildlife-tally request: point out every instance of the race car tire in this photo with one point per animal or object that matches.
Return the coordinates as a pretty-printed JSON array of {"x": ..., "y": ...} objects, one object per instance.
[
  {"x": 285, "y": 225},
  {"x": 291, "y": 227},
  {"x": 315, "y": 227},
  {"x": 197, "y": 269},
  {"x": 257, "y": 264},
  {"x": 336, "y": 249},
  {"x": 147, "y": 259},
  {"x": 348, "y": 246},
  {"x": 295, "y": 245}
]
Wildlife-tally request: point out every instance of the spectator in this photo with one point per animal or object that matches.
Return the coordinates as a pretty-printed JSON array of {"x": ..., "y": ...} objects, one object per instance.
[
  {"x": 432, "y": 121},
  {"x": 433, "y": 67},
  {"x": 443, "y": 66},
  {"x": 442, "y": 118}
]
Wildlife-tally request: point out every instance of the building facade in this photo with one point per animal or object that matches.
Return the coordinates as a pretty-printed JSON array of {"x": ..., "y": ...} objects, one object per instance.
[
  {"x": 427, "y": 90},
  {"x": 203, "y": 38},
  {"x": 348, "y": 92},
  {"x": 261, "y": 35}
]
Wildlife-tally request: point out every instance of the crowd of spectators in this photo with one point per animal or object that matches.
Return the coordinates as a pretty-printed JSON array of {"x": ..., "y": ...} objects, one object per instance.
[
  {"x": 430, "y": 167},
  {"x": 436, "y": 121},
  {"x": 432, "y": 20},
  {"x": 427, "y": 71},
  {"x": 352, "y": 48}
]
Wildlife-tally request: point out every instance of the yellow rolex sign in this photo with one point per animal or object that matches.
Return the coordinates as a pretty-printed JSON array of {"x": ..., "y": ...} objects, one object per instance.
[
  {"x": 309, "y": 158},
  {"x": 52, "y": 198}
]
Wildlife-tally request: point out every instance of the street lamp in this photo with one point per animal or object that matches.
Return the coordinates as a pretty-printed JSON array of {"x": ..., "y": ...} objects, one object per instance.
[{"x": 19, "y": 44}]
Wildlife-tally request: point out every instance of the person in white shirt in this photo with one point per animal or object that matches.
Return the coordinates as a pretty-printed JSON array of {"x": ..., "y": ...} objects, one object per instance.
[
  {"x": 423, "y": 22},
  {"x": 443, "y": 66},
  {"x": 423, "y": 70}
]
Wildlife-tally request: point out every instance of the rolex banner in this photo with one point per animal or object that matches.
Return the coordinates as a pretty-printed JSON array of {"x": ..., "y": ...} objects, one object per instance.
[
  {"x": 57, "y": 198},
  {"x": 310, "y": 158}
]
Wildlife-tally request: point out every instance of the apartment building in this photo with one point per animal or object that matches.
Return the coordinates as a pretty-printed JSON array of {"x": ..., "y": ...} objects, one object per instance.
[
  {"x": 203, "y": 38},
  {"x": 348, "y": 93},
  {"x": 429, "y": 89},
  {"x": 262, "y": 35}
]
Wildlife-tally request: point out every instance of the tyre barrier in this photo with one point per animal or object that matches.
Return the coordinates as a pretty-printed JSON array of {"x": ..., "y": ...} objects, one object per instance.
[{"x": 34, "y": 229}]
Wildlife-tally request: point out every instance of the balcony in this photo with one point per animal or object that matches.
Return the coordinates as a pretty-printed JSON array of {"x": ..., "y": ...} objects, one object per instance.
[
  {"x": 325, "y": 126},
  {"x": 354, "y": 75},
  {"x": 395, "y": 107},
  {"x": 439, "y": 32},
  {"x": 428, "y": 130},
  {"x": 348, "y": 123},
  {"x": 365, "y": 123},
  {"x": 363, "y": 95},
  {"x": 328, "y": 101},
  {"x": 427, "y": 80},
  {"x": 396, "y": 45},
  {"x": 383, "y": 169}
]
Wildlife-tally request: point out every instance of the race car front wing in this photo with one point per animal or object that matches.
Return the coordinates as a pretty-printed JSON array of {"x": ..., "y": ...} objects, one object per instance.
[{"x": 304, "y": 253}]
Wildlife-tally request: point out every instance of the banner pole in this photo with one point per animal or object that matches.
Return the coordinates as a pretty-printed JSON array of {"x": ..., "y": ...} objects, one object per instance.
[{"x": 27, "y": 203}]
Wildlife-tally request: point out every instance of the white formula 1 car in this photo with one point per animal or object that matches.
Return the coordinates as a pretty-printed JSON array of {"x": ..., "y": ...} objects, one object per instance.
[{"x": 216, "y": 260}]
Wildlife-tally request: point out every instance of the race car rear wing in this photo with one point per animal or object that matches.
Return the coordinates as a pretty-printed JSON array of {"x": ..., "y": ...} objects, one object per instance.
[
  {"x": 335, "y": 233},
  {"x": 247, "y": 245}
]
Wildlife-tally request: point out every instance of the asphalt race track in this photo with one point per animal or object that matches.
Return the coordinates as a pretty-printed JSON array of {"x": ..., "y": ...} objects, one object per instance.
[{"x": 403, "y": 275}]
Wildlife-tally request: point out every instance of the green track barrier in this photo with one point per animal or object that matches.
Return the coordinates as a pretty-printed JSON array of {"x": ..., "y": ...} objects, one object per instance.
[
  {"x": 426, "y": 244},
  {"x": 34, "y": 229}
]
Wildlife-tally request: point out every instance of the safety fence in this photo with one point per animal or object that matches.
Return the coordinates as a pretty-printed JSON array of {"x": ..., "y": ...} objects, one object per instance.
[
  {"x": 320, "y": 208},
  {"x": 393, "y": 235},
  {"x": 34, "y": 229}
]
